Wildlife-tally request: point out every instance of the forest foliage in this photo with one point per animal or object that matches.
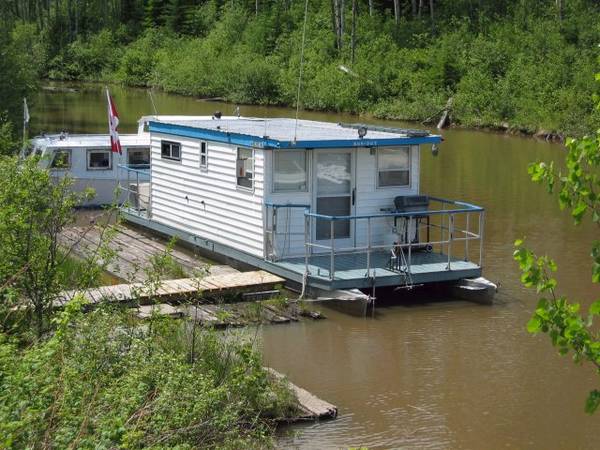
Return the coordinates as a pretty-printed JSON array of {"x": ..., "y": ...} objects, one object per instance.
[{"x": 509, "y": 64}]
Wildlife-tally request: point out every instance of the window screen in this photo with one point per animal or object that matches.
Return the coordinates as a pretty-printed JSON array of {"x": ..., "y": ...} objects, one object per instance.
[
  {"x": 393, "y": 167},
  {"x": 289, "y": 174}
]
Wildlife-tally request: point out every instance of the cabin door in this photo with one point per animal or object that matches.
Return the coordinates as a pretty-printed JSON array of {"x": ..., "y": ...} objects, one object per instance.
[{"x": 334, "y": 195}]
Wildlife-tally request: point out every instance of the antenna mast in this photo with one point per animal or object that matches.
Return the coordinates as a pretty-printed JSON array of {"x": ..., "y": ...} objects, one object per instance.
[{"x": 301, "y": 67}]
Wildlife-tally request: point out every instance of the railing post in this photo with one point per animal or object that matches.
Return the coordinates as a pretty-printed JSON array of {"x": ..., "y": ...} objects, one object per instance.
[
  {"x": 332, "y": 263},
  {"x": 274, "y": 233},
  {"x": 139, "y": 194},
  {"x": 128, "y": 188},
  {"x": 368, "y": 247},
  {"x": 410, "y": 226},
  {"x": 442, "y": 230},
  {"x": 467, "y": 239},
  {"x": 306, "y": 241},
  {"x": 450, "y": 237},
  {"x": 481, "y": 225}
]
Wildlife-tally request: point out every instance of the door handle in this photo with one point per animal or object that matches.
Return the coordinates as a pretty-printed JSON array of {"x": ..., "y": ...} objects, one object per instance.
[{"x": 353, "y": 196}]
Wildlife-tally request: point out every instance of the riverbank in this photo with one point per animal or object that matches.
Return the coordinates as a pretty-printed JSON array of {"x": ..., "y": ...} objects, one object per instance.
[
  {"x": 65, "y": 87},
  {"x": 514, "y": 68}
]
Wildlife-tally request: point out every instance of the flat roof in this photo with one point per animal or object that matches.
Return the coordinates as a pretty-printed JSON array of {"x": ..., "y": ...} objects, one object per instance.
[
  {"x": 89, "y": 140},
  {"x": 285, "y": 132}
]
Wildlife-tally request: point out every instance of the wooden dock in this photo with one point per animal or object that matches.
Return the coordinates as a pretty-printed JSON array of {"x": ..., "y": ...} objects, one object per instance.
[
  {"x": 310, "y": 406},
  {"x": 134, "y": 250},
  {"x": 176, "y": 290}
]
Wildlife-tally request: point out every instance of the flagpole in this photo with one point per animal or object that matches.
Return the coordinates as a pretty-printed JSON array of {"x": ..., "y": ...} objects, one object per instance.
[
  {"x": 25, "y": 122},
  {"x": 118, "y": 158}
]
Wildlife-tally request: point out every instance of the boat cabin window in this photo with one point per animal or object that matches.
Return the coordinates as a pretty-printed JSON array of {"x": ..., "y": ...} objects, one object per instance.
[
  {"x": 61, "y": 159},
  {"x": 393, "y": 167},
  {"x": 99, "y": 160},
  {"x": 203, "y": 155},
  {"x": 170, "y": 150},
  {"x": 245, "y": 168},
  {"x": 289, "y": 171},
  {"x": 138, "y": 156}
]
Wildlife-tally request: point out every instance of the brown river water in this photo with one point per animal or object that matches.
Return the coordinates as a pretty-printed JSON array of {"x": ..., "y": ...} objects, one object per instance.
[{"x": 424, "y": 374}]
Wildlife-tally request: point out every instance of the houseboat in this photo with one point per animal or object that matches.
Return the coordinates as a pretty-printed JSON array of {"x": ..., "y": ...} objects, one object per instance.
[
  {"x": 328, "y": 206},
  {"x": 89, "y": 161}
]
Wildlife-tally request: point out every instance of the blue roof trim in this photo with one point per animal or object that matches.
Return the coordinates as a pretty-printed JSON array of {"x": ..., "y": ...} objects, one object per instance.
[
  {"x": 258, "y": 142},
  {"x": 212, "y": 135},
  {"x": 342, "y": 143}
]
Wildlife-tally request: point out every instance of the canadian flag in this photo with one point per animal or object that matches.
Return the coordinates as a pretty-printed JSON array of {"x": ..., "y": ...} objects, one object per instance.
[{"x": 113, "y": 123}]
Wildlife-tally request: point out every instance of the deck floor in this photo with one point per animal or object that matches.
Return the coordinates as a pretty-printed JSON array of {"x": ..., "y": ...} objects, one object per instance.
[{"x": 350, "y": 268}]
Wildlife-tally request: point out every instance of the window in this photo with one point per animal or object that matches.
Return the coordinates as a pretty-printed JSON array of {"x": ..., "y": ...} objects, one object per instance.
[
  {"x": 138, "y": 157},
  {"x": 245, "y": 168},
  {"x": 170, "y": 150},
  {"x": 203, "y": 155},
  {"x": 393, "y": 167},
  {"x": 61, "y": 160},
  {"x": 99, "y": 160},
  {"x": 289, "y": 173}
]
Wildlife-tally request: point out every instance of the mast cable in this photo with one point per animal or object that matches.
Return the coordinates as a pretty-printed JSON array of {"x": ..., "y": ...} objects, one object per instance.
[
  {"x": 301, "y": 67},
  {"x": 152, "y": 101}
]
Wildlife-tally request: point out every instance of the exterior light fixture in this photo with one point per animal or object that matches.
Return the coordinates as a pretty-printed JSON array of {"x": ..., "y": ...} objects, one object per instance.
[
  {"x": 362, "y": 132},
  {"x": 435, "y": 149}
]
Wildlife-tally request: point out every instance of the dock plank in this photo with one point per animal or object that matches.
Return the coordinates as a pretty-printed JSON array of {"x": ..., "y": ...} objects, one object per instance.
[
  {"x": 255, "y": 280},
  {"x": 311, "y": 406},
  {"x": 133, "y": 252}
]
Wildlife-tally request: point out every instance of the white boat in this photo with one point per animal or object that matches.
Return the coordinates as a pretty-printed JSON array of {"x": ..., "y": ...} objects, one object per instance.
[
  {"x": 89, "y": 161},
  {"x": 328, "y": 206}
]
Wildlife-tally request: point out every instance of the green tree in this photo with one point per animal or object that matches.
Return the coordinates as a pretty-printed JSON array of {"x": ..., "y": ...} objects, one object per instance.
[
  {"x": 20, "y": 58},
  {"x": 8, "y": 145},
  {"x": 578, "y": 188},
  {"x": 35, "y": 210}
]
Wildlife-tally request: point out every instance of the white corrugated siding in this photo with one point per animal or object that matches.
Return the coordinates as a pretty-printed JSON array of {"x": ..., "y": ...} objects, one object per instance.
[
  {"x": 229, "y": 215},
  {"x": 369, "y": 200}
]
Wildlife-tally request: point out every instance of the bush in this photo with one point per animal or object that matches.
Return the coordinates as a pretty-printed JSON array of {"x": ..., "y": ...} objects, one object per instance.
[
  {"x": 136, "y": 67},
  {"x": 88, "y": 59},
  {"x": 103, "y": 381}
]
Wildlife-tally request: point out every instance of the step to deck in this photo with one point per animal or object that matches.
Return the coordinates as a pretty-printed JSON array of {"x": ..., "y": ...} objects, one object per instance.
[{"x": 210, "y": 286}]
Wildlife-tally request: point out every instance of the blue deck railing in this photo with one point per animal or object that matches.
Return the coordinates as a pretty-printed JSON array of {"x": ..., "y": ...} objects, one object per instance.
[
  {"x": 134, "y": 179},
  {"x": 445, "y": 227}
]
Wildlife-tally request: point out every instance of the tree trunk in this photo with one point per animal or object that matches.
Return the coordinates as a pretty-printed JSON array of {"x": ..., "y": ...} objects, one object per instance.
[
  {"x": 445, "y": 118},
  {"x": 396, "y": 11},
  {"x": 338, "y": 22},
  {"x": 371, "y": 8},
  {"x": 559, "y": 7},
  {"x": 354, "y": 13},
  {"x": 39, "y": 320},
  {"x": 342, "y": 21},
  {"x": 334, "y": 19},
  {"x": 432, "y": 16},
  {"x": 414, "y": 7},
  {"x": 420, "y": 9}
]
